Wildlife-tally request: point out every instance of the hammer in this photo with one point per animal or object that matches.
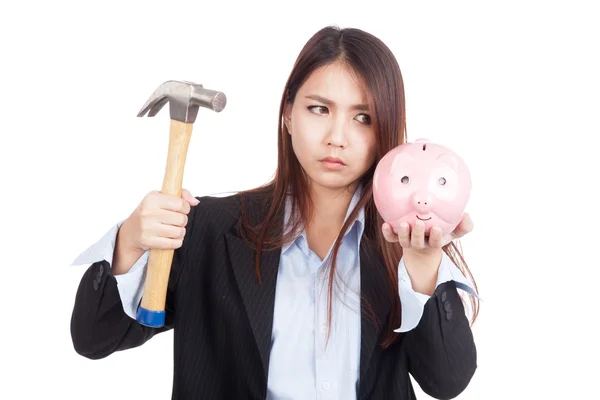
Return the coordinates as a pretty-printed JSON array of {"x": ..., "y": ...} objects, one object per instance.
[{"x": 184, "y": 99}]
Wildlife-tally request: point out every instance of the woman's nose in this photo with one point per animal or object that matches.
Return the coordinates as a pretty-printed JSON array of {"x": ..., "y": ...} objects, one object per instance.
[{"x": 337, "y": 135}]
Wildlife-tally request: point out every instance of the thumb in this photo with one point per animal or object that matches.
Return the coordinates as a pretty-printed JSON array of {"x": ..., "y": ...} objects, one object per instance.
[
  {"x": 465, "y": 226},
  {"x": 187, "y": 196}
]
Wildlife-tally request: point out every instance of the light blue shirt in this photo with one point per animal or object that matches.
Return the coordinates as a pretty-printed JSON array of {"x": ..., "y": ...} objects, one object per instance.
[{"x": 301, "y": 365}]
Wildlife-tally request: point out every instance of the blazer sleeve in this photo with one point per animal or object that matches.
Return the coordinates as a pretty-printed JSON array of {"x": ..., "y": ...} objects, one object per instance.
[
  {"x": 130, "y": 284},
  {"x": 100, "y": 325},
  {"x": 441, "y": 350},
  {"x": 414, "y": 302}
]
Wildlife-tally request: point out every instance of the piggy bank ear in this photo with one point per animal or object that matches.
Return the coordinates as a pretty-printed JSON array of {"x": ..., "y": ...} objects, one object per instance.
[
  {"x": 449, "y": 160},
  {"x": 401, "y": 160}
]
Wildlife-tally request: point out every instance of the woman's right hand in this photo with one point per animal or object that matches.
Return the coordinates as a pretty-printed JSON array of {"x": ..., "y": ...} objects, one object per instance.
[{"x": 159, "y": 221}]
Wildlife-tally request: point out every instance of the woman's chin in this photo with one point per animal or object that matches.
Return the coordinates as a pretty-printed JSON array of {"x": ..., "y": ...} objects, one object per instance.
[{"x": 330, "y": 182}]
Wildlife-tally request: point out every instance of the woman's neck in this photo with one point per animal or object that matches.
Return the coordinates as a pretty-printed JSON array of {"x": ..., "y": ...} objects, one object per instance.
[{"x": 330, "y": 206}]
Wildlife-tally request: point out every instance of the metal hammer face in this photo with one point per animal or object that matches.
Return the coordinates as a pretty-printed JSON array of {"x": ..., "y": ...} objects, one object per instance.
[{"x": 184, "y": 99}]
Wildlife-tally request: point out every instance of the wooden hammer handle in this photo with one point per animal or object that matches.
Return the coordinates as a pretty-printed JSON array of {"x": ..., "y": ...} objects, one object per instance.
[{"x": 152, "y": 309}]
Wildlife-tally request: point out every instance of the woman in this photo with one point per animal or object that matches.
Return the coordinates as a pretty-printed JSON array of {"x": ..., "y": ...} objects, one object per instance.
[{"x": 296, "y": 289}]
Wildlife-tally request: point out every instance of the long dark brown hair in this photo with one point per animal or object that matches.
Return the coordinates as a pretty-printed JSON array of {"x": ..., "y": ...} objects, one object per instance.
[{"x": 373, "y": 61}]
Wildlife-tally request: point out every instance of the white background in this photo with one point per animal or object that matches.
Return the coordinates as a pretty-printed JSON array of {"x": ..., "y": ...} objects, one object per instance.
[{"x": 512, "y": 86}]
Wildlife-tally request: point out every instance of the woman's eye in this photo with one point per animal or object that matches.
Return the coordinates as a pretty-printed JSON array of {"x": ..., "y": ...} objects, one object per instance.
[
  {"x": 364, "y": 118},
  {"x": 318, "y": 109}
]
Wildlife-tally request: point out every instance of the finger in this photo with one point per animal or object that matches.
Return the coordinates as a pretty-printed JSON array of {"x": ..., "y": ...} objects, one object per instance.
[
  {"x": 404, "y": 235},
  {"x": 166, "y": 243},
  {"x": 388, "y": 233},
  {"x": 417, "y": 236},
  {"x": 171, "y": 232},
  {"x": 435, "y": 237},
  {"x": 465, "y": 226},
  {"x": 187, "y": 196},
  {"x": 172, "y": 218},
  {"x": 174, "y": 203}
]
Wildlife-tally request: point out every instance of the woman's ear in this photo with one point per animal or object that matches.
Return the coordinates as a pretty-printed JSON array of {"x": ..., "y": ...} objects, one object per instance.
[{"x": 287, "y": 117}]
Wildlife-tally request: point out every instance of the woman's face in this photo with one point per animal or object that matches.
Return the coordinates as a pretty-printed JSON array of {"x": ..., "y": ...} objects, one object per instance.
[{"x": 331, "y": 129}]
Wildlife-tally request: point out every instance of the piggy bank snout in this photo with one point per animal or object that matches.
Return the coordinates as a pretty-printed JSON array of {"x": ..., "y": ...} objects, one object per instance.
[{"x": 422, "y": 202}]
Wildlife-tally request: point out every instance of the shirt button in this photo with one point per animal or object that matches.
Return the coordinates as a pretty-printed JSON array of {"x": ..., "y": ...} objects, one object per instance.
[
  {"x": 326, "y": 385},
  {"x": 324, "y": 328}
]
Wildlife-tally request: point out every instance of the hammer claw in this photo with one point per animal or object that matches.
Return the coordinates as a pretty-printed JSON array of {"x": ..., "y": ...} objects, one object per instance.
[
  {"x": 157, "y": 106},
  {"x": 153, "y": 106}
]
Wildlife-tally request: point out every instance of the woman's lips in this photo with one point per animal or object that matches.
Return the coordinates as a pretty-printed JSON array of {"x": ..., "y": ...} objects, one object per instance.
[{"x": 332, "y": 163}]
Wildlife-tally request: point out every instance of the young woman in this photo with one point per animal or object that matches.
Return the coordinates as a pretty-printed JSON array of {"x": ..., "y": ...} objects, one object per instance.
[{"x": 296, "y": 289}]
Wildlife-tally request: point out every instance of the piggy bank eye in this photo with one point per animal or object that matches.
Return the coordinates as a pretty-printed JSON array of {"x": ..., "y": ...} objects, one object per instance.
[
  {"x": 405, "y": 179},
  {"x": 442, "y": 181}
]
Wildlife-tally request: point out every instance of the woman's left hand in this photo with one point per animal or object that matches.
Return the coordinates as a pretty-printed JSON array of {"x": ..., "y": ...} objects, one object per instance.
[{"x": 417, "y": 241}]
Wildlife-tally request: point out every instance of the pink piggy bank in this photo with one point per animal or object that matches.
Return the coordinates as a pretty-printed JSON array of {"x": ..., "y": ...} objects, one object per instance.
[{"x": 421, "y": 180}]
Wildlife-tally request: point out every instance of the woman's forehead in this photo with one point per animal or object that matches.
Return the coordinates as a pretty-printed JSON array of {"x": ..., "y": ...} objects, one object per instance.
[{"x": 337, "y": 83}]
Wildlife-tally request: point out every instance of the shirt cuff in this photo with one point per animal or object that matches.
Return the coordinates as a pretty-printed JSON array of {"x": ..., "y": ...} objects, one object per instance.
[
  {"x": 413, "y": 303},
  {"x": 103, "y": 249},
  {"x": 130, "y": 284}
]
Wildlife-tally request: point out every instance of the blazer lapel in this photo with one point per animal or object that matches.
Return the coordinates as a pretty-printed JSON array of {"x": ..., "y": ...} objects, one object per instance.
[
  {"x": 259, "y": 299},
  {"x": 374, "y": 289}
]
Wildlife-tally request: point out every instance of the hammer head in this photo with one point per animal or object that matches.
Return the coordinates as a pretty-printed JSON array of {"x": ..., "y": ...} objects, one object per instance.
[{"x": 184, "y": 99}]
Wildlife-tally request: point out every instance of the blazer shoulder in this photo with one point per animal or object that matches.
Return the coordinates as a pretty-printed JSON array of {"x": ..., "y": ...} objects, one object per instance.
[
  {"x": 215, "y": 215},
  {"x": 224, "y": 211}
]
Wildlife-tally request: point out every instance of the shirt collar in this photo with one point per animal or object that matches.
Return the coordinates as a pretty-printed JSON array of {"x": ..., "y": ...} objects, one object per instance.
[{"x": 359, "y": 221}]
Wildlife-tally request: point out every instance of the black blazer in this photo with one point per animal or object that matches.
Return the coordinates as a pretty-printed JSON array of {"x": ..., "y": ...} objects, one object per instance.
[{"x": 222, "y": 319}]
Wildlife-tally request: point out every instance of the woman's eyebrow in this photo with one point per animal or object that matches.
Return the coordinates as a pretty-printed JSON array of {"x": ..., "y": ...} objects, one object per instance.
[{"x": 321, "y": 99}]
